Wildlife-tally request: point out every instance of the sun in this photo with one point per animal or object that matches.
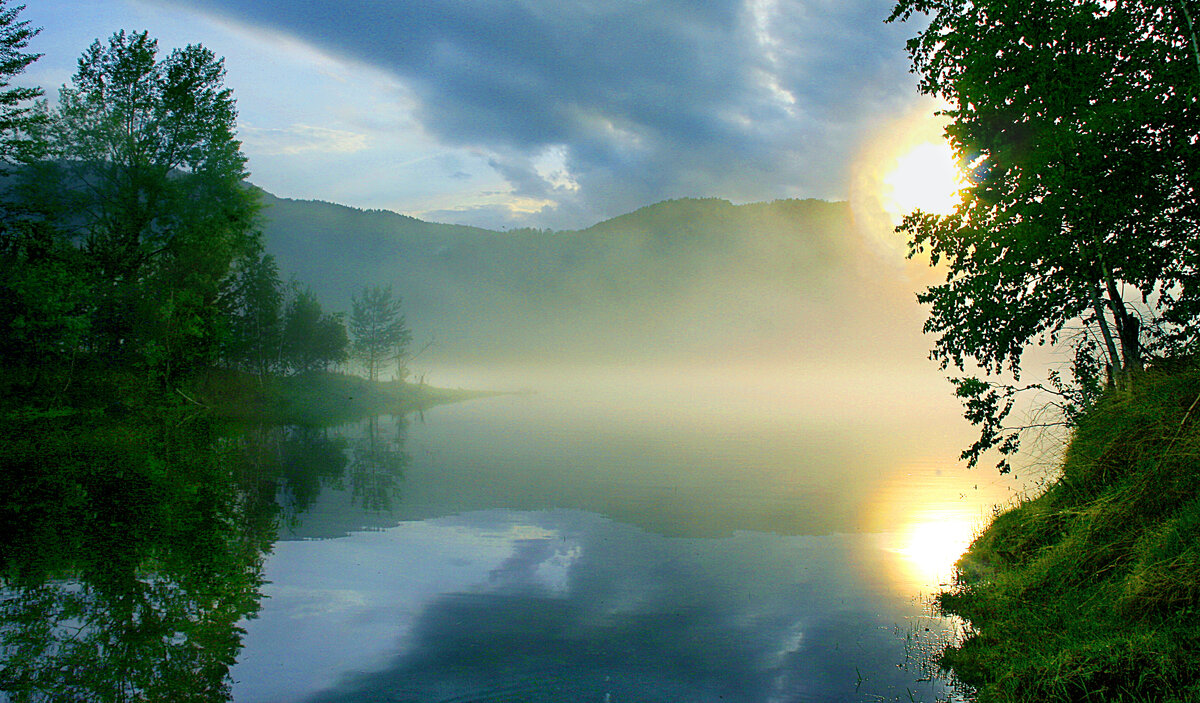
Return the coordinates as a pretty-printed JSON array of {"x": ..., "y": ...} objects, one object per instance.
[
  {"x": 924, "y": 177},
  {"x": 904, "y": 164}
]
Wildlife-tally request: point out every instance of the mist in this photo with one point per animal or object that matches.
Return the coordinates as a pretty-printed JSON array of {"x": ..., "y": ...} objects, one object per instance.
[{"x": 693, "y": 282}]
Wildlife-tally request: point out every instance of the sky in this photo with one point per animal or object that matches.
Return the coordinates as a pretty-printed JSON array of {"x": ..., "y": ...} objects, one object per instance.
[{"x": 543, "y": 113}]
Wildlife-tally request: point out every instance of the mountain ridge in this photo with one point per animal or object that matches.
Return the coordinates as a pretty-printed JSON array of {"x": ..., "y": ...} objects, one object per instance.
[{"x": 690, "y": 276}]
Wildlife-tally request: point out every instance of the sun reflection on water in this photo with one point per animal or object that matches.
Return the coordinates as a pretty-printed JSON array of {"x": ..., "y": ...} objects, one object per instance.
[{"x": 932, "y": 544}]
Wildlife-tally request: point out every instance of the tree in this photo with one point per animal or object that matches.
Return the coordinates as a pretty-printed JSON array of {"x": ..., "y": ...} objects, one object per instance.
[
  {"x": 45, "y": 302},
  {"x": 44, "y": 308},
  {"x": 312, "y": 338},
  {"x": 256, "y": 313},
  {"x": 16, "y": 111},
  {"x": 380, "y": 333},
  {"x": 1078, "y": 121},
  {"x": 145, "y": 174}
]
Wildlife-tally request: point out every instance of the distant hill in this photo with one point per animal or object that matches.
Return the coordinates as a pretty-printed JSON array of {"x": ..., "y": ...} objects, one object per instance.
[{"x": 683, "y": 278}]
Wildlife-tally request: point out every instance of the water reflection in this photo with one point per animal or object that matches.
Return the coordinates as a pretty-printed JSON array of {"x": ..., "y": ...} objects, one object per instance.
[
  {"x": 588, "y": 544},
  {"x": 933, "y": 543},
  {"x": 310, "y": 458},
  {"x": 928, "y": 515},
  {"x": 377, "y": 464},
  {"x": 131, "y": 553},
  {"x": 584, "y": 545},
  {"x": 571, "y": 606}
]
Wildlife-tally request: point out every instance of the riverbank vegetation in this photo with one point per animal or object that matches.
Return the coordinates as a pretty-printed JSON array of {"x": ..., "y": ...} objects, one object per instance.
[
  {"x": 1079, "y": 228},
  {"x": 317, "y": 397},
  {"x": 1091, "y": 591}
]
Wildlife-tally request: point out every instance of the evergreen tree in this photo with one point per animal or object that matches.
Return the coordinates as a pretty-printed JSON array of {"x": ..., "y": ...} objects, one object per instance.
[{"x": 16, "y": 110}]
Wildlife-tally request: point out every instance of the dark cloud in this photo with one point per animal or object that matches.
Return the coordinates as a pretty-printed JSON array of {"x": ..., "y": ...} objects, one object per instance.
[{"x": 743, "y": 99}]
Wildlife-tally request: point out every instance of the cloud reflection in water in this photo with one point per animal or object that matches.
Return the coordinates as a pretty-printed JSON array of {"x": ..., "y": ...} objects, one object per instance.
[{"x": 572, "y": 606}]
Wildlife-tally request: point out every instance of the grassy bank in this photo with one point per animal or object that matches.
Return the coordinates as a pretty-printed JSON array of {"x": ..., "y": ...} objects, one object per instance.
[
  {"x": 318, "y": 397},
  {"x": 1091, "y": 592}
]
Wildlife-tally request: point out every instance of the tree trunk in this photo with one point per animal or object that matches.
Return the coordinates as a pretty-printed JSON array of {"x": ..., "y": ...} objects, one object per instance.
[
  {"x": 1128, "y": 327},
  {"x": 1114, "y": 358}
]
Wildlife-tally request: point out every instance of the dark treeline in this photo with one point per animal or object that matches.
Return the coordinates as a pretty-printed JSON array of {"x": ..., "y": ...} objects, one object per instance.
[{"x": 131, "y": 258}]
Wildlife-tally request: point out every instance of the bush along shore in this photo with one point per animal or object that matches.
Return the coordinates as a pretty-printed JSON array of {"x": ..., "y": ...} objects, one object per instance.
[{"x": 1091, "y": 591}]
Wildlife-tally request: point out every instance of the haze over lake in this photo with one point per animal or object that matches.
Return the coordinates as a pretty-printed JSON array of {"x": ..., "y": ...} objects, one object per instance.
[
  {"x": 472, "y": 351},
  {"x": 629, "y": 534}
]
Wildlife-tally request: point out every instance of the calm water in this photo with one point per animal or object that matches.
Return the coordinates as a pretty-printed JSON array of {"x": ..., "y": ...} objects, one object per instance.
[
  {"x": 659, "y": 534},
  {"x": 616, "y": 536}
]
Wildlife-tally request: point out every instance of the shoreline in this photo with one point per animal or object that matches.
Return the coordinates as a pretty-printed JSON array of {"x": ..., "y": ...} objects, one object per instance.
[{"x": 1091, "y": 590}]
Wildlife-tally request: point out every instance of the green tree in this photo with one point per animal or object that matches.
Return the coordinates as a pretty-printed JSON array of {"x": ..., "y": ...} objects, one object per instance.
[
  {"x": 16, "y": 110},
  {"x": 44, "y": 286},
  {"x": 45, "y": 306},
  {"x": 256, "y": 315},
  {"x": 380, "y": 333},
  {"x": 1077, "y": 121},
  {"x": 145, "y": 171},
  {"x": 312, "y": 338}
]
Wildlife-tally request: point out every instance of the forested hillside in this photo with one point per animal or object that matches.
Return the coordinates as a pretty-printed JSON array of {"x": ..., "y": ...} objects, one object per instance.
[{"x": 694, "y": 277}]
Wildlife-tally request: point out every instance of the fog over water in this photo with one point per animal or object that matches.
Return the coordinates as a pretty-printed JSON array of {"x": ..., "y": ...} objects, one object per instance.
[
  {"x": 642, "y": 533},
  {"x": 707, "y": 457},
  {"x": 722, "y": 469}
]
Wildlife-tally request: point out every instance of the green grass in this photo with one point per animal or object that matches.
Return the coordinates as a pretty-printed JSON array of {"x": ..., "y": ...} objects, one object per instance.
[
  {"x": 317, "y": 398},
  {"x": 1091, "y": 591}
]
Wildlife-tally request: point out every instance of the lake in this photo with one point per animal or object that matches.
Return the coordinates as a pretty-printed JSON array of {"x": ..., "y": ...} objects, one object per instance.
[{"x": 620, "y": 534}]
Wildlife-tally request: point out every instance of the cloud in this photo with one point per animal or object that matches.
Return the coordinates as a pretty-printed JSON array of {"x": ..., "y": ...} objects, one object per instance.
[
  {"x": 636, "y": 101},
  {"x": 301, "y": 138}
]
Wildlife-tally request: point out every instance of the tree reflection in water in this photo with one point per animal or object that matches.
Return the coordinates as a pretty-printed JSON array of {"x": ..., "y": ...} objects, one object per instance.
[
  {"x": 130, "y": 553},
  {"x": 131, "y": 550},
  {"x": 377, "y": 465}
]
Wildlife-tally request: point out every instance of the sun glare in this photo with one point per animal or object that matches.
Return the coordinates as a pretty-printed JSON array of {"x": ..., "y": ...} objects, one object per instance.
[
  {"x": 903, "y": 165},
  {"x": 932, "y": 548},
  {"x": 925, "y": 177}
]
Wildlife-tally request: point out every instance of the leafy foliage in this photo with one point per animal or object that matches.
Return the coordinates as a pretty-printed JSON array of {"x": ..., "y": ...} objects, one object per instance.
[
  {"x": 256, "y": 307},
  {"x": 1078, "y": 121},
  {"x": 312, "y": 339},
  {"x": 143, "y": 172}
]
